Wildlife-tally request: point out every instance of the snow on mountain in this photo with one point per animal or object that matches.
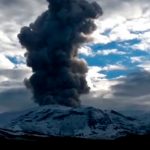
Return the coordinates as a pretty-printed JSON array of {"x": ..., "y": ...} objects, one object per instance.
[{"x": 84, "y": 122}]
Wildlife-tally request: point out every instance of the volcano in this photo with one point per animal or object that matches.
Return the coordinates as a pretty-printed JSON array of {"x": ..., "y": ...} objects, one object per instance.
[{"x": 62, "y": 121}]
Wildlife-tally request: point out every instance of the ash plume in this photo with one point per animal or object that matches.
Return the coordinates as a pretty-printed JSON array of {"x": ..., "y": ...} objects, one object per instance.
[{"x": 52, "y": 44}]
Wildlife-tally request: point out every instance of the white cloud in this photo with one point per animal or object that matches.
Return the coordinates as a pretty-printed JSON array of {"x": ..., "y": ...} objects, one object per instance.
[
  {"x": 121, "y": 29},
  {"x": 145, "y": 66},
  {"x": 144, "y": 45},
  {"x": 94, "y": 71},
  {"x": 117, "y": 30},
  {"x": 4, "y": 38},
  {"x": 140, "y": 24},
  {"x": 124, "y": 20},
  {"x": 3, "y": 78},
  {"x": 109, "y": 52},
  {"x": 97, "y": 37},
  {"x": 127, "y": 8},
  {"x": 137, "y": 59},
  {"x": 98, "y": 81},
  {"x": 87, "y": 51},
  {"x": 94, "y": 76},
  {"x": 114, "y": 67},
  {"x": 13, "y": 15},
  {"x": 5, "y": 63},
  {"x": 121, "y": 33}
]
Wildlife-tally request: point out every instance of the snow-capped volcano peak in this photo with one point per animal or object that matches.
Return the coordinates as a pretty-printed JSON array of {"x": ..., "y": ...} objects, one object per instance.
[{"x": 84, "y": 122}]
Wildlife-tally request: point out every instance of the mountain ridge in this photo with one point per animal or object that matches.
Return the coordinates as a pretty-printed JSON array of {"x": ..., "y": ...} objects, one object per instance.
[{"x": 82, "y": 122}]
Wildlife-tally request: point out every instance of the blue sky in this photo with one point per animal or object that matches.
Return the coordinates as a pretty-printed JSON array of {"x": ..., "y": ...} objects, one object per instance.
[
  {"x": 125, "y": 57},
  {"x": 120, "y": 47}
]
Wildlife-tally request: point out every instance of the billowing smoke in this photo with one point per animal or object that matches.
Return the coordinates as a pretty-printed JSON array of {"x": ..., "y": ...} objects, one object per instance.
[{"x": 52, "y": 44}]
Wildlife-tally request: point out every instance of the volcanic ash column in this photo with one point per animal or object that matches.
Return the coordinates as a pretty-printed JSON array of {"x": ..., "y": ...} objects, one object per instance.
[{"x": 52, "y": 44}]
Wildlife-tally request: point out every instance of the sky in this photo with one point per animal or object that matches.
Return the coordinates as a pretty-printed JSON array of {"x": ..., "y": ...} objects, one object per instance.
[{"x": 118, "y": 55}]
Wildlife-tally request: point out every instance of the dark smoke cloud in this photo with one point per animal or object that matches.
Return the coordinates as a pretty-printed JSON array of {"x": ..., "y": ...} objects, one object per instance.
[{"x": 52, "y": 44}]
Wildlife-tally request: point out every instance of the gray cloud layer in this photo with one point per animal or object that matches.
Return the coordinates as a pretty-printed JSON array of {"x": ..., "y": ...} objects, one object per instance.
[
  {"x": 13, "y": 99},
  {"x": 131, "y": 94},
  {"x": 21, "y": 11},
  {"x": 134, "y": 85},
  {"x": 13, "y": 94},
  {"x": 13, "y": 15}
]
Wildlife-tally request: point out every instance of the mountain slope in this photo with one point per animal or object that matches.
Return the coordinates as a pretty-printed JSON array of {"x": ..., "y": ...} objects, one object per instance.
[{"x": 82, "y": 122}]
